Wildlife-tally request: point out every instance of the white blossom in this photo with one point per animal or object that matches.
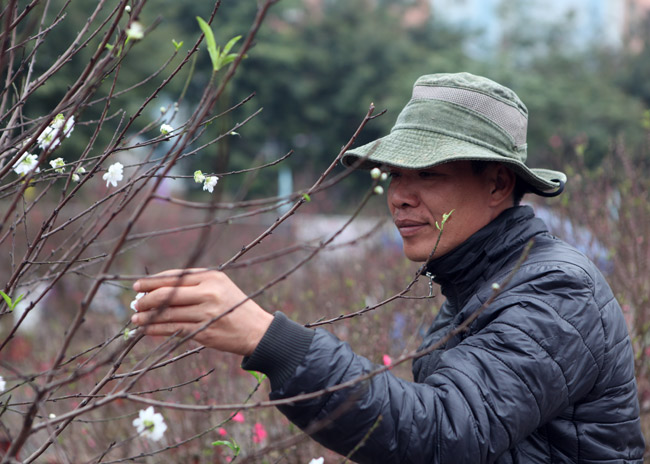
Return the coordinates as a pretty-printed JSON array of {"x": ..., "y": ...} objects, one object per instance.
[
  {"x": 50, "y": 138},
  {"x": 378, "y": 190},
  {"x": 150, "y": 424},
  {"x": 135, "y": 300},
  {"x": 375, "y": 173},
  {"x": 25, "y": 164},
  {"x": 114, "y": 174},
  {"x": 135, "y": 31},
  {"x": 210, "y": 182},
  {"x": 317, "y": 461},
  {"x": 3, "y": 384},
  {"x": 52, "y": 416},
  {"x": 127, "y": 8},
  {"x": 199, "y": 178},
  {"x": 166, "y": 129},
  {"x": 58, "y": 165},
  {"x": 80, "y": 170},
  {"x": 384, "y": 176},
  {"x": 130, "y": 333}
]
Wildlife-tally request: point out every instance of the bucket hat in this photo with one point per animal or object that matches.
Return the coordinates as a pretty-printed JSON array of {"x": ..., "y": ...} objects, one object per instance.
[{"x": 454, "y": 117}]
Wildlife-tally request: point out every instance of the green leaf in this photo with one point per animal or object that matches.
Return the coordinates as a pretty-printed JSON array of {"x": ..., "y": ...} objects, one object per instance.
[
  {"x": 306, "y": 197},
  {"x": 258, "y": 376},
  {"x": 177, "y": 45},
  {"x": 230, "y": 44},
  {"x": 7, "y": 299},
  {"x": 11, "y": 303},
  {"x": 17, "y": 300},
  {"x": 230, "y": 444},
  {"x": 210, "y": 42}
]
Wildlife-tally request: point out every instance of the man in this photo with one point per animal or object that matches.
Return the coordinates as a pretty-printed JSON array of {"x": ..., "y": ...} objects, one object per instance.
[{"x": 544, "y": 374}]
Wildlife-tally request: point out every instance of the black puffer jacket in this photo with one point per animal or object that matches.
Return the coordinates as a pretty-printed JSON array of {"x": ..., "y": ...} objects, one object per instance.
[{"x": 544, "y": 375}]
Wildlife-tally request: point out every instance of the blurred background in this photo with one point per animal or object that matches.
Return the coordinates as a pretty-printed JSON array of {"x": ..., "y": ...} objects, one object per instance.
[{"x": 582, "y": 67}]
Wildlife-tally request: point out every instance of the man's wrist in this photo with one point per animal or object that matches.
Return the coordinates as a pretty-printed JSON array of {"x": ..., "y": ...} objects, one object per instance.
[{"x": 281, "y": 350}]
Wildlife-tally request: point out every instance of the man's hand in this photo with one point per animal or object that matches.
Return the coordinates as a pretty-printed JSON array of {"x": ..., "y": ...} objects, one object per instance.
[{"x": 172, "y": 303}]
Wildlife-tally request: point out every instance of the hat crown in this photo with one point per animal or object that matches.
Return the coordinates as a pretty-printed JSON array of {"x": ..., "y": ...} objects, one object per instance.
[{"x": 468, "y": 81}]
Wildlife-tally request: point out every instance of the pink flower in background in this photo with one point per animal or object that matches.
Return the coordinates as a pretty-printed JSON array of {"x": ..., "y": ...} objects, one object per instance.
[
  {"x": 221, "y": 431},
  {"x": 239, "y": 417},
  {"x": 259, "y": 433},
  {"x": 647, "y": 351},
  {"x": 386, "y": 360}
]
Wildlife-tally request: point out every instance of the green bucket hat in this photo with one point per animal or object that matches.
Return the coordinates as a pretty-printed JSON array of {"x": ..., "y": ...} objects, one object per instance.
[{"x": 453, "y": 117}]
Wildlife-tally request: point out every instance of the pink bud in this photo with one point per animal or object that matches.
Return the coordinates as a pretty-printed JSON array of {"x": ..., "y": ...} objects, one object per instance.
[
  {"x": 387, "y": 361},
  {"x": 239, "y": 417},
  {"x": 221, "y": 431}
]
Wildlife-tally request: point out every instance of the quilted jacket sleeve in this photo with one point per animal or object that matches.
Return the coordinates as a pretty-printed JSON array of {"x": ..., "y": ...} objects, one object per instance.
[{"x": 528, "y": 359}]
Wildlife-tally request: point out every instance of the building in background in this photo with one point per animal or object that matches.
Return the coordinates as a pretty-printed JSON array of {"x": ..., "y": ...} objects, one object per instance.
[
  {"x": 636, "y": 22},
  {"x": 611, "y": 23}
]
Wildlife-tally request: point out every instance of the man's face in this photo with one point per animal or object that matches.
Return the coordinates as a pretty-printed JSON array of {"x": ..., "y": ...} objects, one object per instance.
[{"x": 419, "y": 198}]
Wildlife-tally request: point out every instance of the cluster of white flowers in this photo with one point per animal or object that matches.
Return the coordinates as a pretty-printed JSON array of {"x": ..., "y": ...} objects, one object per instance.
[
  {"x": 58, "y": 165},
  {"x": 114, "y": 174},
  {"x": 26, "y": 163},
  {"x": 135, "y": 31},
  {"x": 51, "y": 137},
  {"x": 48, "y": 140},
  {"x": 166, "y": 129},
  {"x": 150, "y": 424},
  {"x": 77, "y": 173},
  {"x": 208, "y": 182}
]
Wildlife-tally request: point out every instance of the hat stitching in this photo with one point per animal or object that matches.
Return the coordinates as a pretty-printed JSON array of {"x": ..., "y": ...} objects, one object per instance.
[
  {"x": 515, "y": 104},
  {"x": 468, "y": 110},
  {"x": 509, "y": 119}
]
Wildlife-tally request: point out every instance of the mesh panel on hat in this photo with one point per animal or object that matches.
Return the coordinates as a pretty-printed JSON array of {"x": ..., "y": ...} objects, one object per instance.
[{"x": 505, "y": 116}]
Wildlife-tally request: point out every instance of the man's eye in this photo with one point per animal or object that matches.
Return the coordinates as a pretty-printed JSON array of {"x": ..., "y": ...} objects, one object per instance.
[
  {"x": 393, "y": 175},
  {"x": 427, "y": 174}
]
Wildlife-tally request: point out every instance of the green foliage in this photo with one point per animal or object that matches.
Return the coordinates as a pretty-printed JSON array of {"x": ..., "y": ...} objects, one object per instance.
[
  {"x": 445, "y": 216},
  {"x": 219, "y": 58},
  {"x": 230, "y": 444},
  {"x": 258, "y": 376},
  {"x": 11, "y": 304}
]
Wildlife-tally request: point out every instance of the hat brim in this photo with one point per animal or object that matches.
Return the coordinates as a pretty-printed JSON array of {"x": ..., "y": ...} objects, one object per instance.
[{"x": 420, "y": 149}]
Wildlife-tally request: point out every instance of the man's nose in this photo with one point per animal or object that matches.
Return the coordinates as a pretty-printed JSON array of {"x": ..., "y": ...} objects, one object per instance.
[{"x": 402, "y": 194}]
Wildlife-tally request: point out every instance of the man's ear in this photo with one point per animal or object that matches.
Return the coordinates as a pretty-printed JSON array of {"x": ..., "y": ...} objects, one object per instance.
[{"x": 502, "y": 184}]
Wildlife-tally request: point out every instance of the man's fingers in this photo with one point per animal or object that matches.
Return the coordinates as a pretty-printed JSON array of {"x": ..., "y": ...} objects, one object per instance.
[
  {"x": 180, "y": 314},
  {"x": 168, "y": 329},
  {"x": 167, "y": 297},
  {"x": 174, "y": 277}
]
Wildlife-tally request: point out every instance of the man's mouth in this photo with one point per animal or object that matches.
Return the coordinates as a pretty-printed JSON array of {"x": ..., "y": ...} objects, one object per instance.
[{"x": 409, "y": 227}]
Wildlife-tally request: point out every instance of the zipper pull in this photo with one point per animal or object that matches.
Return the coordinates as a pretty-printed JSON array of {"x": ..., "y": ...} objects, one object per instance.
[{"x": 430, "y": 277}]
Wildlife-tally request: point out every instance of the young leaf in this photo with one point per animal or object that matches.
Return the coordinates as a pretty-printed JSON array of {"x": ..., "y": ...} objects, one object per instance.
[
  {"x": 230, "y": 44},
  {"x": 230, "y": 444},
  {"x": 7, "y": 299},
  {"x": 11, "y": 303},
  {"x": 258, "y": 376},
  {"x": 17, "y": 300},
  {"x": 210, "y": 42},
  {"x": 177, "y": 45},
  {"x": 306, "y": 197}
]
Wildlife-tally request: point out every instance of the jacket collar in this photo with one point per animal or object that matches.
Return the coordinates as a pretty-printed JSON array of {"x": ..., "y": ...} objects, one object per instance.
[{"x": 461, "y": 271}]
